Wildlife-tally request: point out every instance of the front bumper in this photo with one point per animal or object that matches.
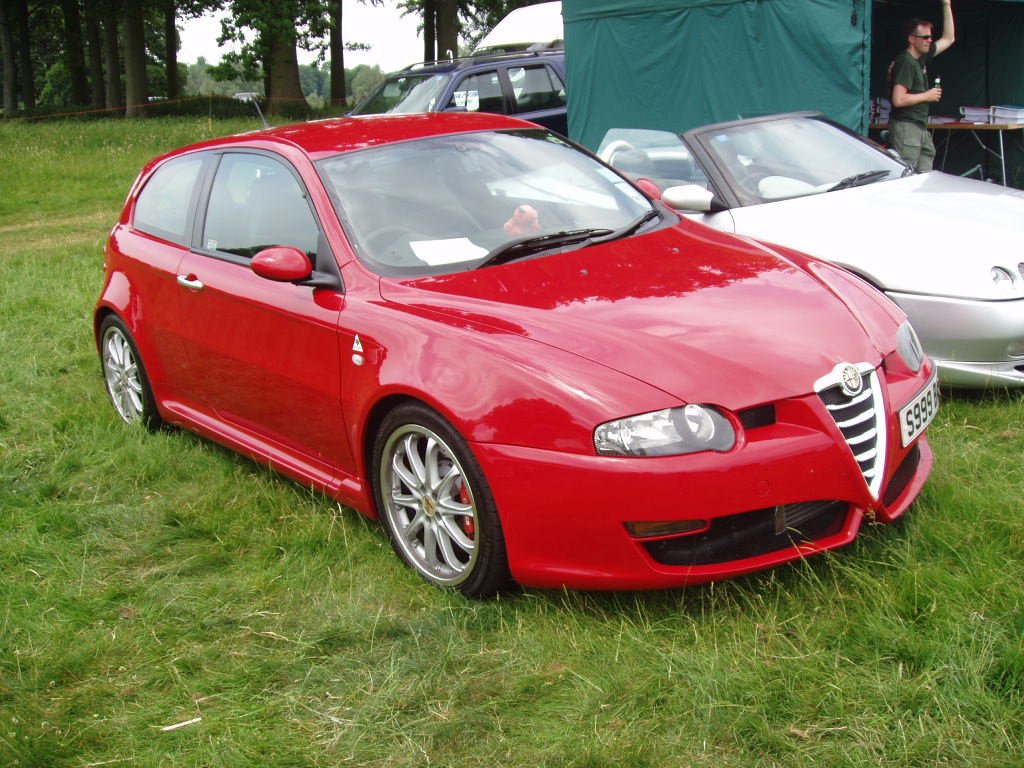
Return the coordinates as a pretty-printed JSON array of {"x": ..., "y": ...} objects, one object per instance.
[
  {"x": 973, "y": 343},
  {"x": 564, "y": 515}
]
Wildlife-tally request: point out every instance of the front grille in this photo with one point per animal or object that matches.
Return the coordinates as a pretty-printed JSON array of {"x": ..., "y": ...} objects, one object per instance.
[
  {"x": 749, "y": 534},
  {"x": 860, "y": 417}
]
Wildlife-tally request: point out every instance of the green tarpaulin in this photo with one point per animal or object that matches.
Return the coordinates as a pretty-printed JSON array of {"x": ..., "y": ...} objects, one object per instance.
[{"x": 676, "y": 64}]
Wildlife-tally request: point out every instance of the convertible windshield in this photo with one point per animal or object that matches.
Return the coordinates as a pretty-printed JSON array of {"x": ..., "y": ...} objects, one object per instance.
[
  {"x": 793, "y": 157},
  {"x": 452, "y": 203},
  {"x": 759, "y": 160},
  {"x": 404, "y": 94}
]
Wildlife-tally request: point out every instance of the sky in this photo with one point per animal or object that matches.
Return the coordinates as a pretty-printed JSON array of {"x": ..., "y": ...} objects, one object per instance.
[{"x": 394, "y": 39}]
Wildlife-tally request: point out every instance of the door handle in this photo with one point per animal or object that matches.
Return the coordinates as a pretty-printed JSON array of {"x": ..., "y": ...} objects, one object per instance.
[{"x": 190, "y": 282}]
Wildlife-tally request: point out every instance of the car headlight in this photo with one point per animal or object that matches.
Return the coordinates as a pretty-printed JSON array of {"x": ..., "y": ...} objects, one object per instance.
[
  {"x": 669, "y": 432},
  {"x": 909, "y": 347},
  {"x": 1001, "y": 278}
]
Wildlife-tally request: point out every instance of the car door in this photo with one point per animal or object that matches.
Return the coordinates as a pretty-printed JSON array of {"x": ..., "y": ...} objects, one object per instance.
[{"x": 263, "y": 355}]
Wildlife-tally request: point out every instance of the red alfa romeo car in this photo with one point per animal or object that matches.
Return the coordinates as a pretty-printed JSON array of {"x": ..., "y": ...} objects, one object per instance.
[{"x": 472, "y": 330}]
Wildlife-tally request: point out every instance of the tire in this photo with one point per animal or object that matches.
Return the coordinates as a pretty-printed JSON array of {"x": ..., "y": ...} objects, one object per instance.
[
  {"x": 436, "y": 505},
  {"x": 127, "y": 382}
]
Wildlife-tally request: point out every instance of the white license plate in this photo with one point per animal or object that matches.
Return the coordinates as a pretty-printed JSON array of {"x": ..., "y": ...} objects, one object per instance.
[{"x": 916, "y": 415}]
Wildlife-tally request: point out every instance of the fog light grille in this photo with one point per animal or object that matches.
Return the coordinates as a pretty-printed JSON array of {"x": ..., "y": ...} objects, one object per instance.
[{"x": 754, "y": 533}]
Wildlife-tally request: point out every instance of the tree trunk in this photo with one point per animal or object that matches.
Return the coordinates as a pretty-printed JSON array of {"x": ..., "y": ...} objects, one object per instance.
[
  {"x": 112, "y": 55},
  {"x": 92, "y": 31},
  {"x": 28, "y": 78},
  {"x": 10, "y": 69},
  {"x": 137, "y": 88},
  {"x": 73, "y": 51},
  {"x": 338, "y": 96},
  {"x": 447, "y": 29},
  {"x": 285, "y": 86},
  {"x": 171, "y": 35},
  {"x": 429, "y": 30}
]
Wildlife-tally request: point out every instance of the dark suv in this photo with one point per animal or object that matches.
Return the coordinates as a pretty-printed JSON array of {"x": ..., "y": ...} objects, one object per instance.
[{"x": 530, "y": 85}]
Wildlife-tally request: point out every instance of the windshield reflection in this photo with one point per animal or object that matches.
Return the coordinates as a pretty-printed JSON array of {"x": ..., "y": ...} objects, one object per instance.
[{"x": 441, "y": 205}]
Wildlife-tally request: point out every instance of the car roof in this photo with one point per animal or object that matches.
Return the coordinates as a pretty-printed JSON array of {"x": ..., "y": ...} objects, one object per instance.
[{"x": 323, "y": 138}]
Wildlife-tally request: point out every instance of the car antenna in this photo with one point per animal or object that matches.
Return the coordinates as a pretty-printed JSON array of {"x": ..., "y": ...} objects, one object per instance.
[{"x": 256, "y": 103}]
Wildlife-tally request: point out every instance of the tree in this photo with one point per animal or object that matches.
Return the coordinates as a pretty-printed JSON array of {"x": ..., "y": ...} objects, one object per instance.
[
  {"x": 339, "y": 82},
  {"x": 338, "y": 95},
  {"x": 74, "y": 54},
  {"x": 10, "y": 70},
  {"x": 445, "y": 20},
  {"x": 280, "y": 25},
  {"x": 171, "y": 48},
  {"x": 112, "y": 54},
  {"x": 25, "y": 65},
  {"x": 364, "y": 79},
  {"x": 448, "y": 28},
  {"x": 429, "y": 11},
  {"x": 136, "y": 84},
  {"x": 93, "y": 25}
]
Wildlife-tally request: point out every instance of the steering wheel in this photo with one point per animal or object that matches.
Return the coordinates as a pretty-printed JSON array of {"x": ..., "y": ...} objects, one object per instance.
[
  {"x": 380, "y": 244},
  {"x": 749, "y": 176},
  {"x": 609, "y": 152}
]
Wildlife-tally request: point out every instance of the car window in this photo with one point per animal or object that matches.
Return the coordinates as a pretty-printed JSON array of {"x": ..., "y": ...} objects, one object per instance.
[
  {"x": 163, "y": 205},
  {"x": 256, "y": 203},
  {"x": 536, "y": 88},
  {"x": 479, "y": 92},
  {"x": 659, "y": 156}
]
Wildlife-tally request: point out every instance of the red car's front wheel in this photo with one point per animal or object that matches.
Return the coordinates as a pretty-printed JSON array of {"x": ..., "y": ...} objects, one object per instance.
[{"x": 436, "y": 504}]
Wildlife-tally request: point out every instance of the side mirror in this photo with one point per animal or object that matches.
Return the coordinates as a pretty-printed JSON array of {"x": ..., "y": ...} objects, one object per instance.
[
  {"x": 692, "y": 197},
  {"x": 282, "y": 263}
]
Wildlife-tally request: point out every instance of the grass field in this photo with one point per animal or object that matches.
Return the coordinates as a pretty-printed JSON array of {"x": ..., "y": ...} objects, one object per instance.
[{"x": 149, "y": 581}]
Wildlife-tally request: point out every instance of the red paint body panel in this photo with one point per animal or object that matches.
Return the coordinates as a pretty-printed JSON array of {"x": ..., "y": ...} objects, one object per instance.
[{"x": 526, "y": 360}]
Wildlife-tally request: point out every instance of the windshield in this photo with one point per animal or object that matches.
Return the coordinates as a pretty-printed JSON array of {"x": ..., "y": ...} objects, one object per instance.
[
  {"x": 794, "y": 157},
  {"x": 451, "y": 203},
  {"x": 404, "y": 94}
]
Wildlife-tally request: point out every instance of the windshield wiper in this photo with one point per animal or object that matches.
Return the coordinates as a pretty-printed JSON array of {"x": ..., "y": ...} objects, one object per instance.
[
  {"x": 857, "y": 179},
  {"x": 630, "y": 228},
  {"x": 524, "y": 246}
]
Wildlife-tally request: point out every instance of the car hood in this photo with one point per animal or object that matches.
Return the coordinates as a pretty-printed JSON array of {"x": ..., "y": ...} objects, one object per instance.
[
  {"x": 701, "y": 315},
  {"x": 929, "y": 233}
]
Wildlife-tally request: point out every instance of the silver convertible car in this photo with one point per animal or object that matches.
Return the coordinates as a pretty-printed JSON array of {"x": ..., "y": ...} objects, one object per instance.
[{"x": 948, "y": 250}]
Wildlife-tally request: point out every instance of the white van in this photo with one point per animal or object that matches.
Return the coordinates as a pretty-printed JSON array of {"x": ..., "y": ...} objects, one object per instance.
[{"x": 532, "y": 28}]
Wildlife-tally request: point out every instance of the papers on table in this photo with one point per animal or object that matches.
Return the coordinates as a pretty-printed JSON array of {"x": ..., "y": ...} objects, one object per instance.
[
  {"x": 1003, "y": 114},
  {"x": 976, "y": 114},
  {"x": 1008, "y": 113}
]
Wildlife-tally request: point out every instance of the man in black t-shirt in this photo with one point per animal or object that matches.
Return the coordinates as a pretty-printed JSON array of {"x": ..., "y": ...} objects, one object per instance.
[{"x": 911, "y": 94}]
